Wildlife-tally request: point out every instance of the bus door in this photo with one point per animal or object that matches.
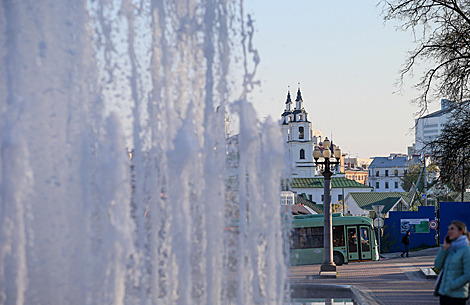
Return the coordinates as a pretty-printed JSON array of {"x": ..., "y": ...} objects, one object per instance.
[
  {"x": 352, "y": 243},
  {"x": 365, "y": 243}
]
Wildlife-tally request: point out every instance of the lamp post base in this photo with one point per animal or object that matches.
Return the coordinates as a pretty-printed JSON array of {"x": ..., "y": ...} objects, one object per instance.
[
  {"x": 328, "y": 267},
  {"x": 328, "y": 270}
]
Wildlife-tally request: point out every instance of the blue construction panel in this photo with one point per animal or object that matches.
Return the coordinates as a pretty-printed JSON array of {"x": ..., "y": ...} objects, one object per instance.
[
  {"x": 450, "y": 211},
  {"x": 420, "y": 235}
]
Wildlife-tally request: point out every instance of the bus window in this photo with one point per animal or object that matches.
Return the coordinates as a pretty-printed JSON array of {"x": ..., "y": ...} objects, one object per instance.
[
  {"x": 338, "y": 236},
  {"x": 294, "y": 239},
  {"x": 303, "y": 238},
  {"x": 352, "y": 240},
  {"x": 365, "y": 240}
]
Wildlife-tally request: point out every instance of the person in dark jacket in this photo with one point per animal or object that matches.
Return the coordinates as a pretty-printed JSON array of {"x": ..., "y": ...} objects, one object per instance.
[
  {"x": 406, "y": 241},
  {"x": 453, "y": 259}
]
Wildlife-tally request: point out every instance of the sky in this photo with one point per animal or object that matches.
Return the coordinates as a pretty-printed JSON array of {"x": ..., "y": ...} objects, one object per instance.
[{"x": 347, "y": 62}]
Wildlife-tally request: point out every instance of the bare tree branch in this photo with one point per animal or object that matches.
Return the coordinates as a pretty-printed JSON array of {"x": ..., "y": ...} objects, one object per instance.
[{"x": 444, "y": 40}]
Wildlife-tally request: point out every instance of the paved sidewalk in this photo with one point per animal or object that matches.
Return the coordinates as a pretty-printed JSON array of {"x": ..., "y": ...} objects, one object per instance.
[{"x": 391, "y": 281}]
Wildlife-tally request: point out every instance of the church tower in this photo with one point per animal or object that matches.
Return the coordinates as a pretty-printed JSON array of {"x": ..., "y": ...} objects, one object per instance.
[
  {"x": 297, "y": 132},
  {"x": 286, "y": 117}
]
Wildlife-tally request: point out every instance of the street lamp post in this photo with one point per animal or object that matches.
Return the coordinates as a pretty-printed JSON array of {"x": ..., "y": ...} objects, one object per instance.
[
  {"x": 326, "y": 165},
  {"x": 378, "y": 220}
]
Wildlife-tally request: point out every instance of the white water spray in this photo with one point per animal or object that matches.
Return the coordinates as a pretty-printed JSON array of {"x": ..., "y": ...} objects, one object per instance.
[{"x": 81, "y": 82}]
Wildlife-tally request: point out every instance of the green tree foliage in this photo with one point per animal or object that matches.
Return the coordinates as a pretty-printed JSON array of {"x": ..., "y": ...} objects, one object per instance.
[
  {"x": 442, "y": 37},
  {"x": 410, "y": 178},
  {"x": 451, "y": 150}
]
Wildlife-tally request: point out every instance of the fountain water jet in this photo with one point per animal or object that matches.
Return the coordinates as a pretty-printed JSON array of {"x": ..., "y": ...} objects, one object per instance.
[{"x": 81, "y": 79}]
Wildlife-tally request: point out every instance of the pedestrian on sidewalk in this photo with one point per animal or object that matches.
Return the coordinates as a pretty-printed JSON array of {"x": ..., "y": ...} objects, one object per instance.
[
  {"x": 406, "y": 241},
  {"x": 453, "y": 259}
]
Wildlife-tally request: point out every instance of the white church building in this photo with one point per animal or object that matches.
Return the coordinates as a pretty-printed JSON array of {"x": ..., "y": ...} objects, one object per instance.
[{"x": 300, "y": 137}]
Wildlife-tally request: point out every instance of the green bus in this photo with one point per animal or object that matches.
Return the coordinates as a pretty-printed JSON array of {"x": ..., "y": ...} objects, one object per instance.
[{"x": 306, "y": 240}]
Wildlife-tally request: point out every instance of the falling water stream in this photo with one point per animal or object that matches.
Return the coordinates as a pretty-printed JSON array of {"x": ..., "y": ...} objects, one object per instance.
[{"x": 190, "y": 219}]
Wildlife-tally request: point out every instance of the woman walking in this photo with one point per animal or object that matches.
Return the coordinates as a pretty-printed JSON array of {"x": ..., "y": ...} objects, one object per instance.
[{"x": 453, "y": 259}]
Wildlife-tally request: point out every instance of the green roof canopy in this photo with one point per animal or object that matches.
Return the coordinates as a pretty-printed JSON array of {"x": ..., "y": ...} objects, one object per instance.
[
  {"x": 388, "y": 199},
  {"x": 336, "y": 182}
]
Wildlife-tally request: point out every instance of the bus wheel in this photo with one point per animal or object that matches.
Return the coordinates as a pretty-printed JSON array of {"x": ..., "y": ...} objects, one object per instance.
[{"x": 338, "y": 258}]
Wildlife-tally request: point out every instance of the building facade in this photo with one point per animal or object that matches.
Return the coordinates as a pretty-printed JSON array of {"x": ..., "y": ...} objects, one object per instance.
[
  {"x": 358, "y": 175},
  {"x": 430, "y": 126},
  {"x": 356, "y": 169},
  {"x": 385, "y": 173},
  {"x": 313, "y": 188},
  {"x": 362, "y": 204}
]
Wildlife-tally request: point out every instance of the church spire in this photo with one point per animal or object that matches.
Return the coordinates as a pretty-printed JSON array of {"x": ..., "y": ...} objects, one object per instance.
[
  {"x": 299, "y": 100},
  {"x": 288, "y": 101}
]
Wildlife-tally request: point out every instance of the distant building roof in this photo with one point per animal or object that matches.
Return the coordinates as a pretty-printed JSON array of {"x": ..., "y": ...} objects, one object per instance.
[
  {"x": 447, "y": 106},
  {"x": 366, "y": 200},
  {"x": 338, "y": 182},
  {"x": 356, "y": 170},
  {"x": 296, "y": 209},
  {"x": 437, "y": 113},
  {"x": 317, "y": 208},
  {"x": 394, "y": 162}
]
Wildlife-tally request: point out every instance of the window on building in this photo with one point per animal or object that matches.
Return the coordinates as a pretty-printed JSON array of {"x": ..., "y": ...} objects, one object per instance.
[
  {"x": 377, "y": 173},
  {"x": 322, "y": 198},
  {"x": 287, "y": 198},
  {"x": 300, "y": 117},
  {"x": 310, "y": 197},
  {"x": 377, "y": 184},
  {"x": 340, "y": 197},
  {"x": 386, "y": 173},
  {"x": 386, "y": 185},
  {"x": 400, "y": 207},
  {"x": 396, "y": 173},
  {"x": 301, "y": 132},
  {"x": 396, "y": 184},
  {"x": 302, "y": 154}
]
